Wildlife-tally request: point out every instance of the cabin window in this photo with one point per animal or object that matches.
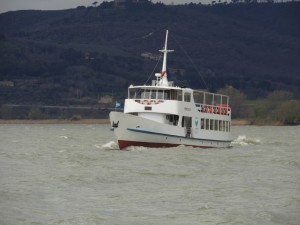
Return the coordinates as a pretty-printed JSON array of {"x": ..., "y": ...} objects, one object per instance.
[
  {"x": 187, "y": 97},
  {"x": 132, "y": 93},
  {"x": 202, "y": 123},
  {"x": 179, "y": 95},
  {"x": 153, "y": 94},
  {"x": 198, "y": 97},
  {"x": 225, "y": 100},
  {"x": 166, "y": 95},
  {"x": 173, "y": 95},
  {"x": 227, "y": 126},
  {"x": 208, "y": 99},
  {"x": 160, "y": 94},
  {"x": 216, "y": 125},
  {"x": 220, "y": 125},
  {"x": 217, "y": 99},
  {"x": 207, "y": 124},
  {"x": 145, "y": 94},
  {"x": 211, "y": 125},
  {"x": 138, "y": 94}
]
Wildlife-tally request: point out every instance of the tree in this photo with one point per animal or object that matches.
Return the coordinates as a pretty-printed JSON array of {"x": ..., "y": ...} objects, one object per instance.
[
  {"x": 275, "y": 99},
  {"x": 35, "y": 114},
  {"x": 288, "y": 112},
  {"x": 279, "y": 96}
]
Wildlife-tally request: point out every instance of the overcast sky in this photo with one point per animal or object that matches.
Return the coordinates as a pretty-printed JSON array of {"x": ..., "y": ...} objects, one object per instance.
[{"x": 11, "y": 5}]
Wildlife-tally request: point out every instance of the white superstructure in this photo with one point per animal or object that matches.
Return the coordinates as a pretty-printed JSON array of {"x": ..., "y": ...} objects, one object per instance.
[{"x": 162, "y": 115}]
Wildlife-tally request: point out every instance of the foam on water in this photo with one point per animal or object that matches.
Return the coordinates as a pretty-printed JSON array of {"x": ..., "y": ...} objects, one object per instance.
[
  {"x": 136, "y": 148},
  {"x": 111, "y": 145},
  {"x": 242, "y": 140},
  {"x": 64, "y": 137}
]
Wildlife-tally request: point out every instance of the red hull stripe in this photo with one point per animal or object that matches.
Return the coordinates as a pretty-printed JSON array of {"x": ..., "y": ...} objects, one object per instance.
[{"x": 124, "y": 144}]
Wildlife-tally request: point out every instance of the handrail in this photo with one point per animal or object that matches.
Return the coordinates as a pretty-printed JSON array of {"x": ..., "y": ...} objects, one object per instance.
[{"x": 214, "y": 109}]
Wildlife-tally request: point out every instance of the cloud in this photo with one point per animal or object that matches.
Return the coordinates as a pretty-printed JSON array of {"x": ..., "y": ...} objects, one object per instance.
[{"x": 12, "y": 5}]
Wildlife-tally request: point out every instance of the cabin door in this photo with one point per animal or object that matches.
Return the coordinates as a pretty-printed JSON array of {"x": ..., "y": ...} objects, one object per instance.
[{"x": 187, "y": 124}]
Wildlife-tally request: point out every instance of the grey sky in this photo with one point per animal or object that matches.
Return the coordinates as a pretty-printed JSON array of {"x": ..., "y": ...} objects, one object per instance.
[{"x": 12, "y": 5}]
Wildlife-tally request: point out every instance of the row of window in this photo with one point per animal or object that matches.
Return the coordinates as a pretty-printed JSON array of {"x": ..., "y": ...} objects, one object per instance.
[
  {"x": 199, "y": 97},
  {"x": 137, "y": 93},
  {"x": 217, "y": 125},
  {"x": 207, "y": 98},
  {"x": 206, "y": 124}
]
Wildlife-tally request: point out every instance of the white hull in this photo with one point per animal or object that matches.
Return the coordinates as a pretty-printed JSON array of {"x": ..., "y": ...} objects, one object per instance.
[{"x": 132, "y": 130}]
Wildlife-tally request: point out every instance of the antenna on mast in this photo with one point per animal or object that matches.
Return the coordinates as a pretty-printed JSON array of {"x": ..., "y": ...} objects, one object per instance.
[{"x": 163, "y": 75}]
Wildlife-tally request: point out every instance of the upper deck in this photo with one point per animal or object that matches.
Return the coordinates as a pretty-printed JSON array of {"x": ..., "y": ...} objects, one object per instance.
[{"x": 205, "y": 102}]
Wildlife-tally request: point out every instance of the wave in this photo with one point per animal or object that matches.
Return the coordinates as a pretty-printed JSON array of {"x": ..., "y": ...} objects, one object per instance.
[
  {"x": 242, "y": 140},
  {"x": 109, "y": 146},
  {"x": 136, "y": 148},
  {"x": 65, "y": 137}
]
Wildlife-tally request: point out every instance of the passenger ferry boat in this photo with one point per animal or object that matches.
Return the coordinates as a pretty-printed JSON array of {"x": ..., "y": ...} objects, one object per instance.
[{"x": 163, "y": 115}]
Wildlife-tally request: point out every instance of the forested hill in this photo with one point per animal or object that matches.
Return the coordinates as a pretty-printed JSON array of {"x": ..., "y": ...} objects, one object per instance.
[{"x": 79, "y": 55}]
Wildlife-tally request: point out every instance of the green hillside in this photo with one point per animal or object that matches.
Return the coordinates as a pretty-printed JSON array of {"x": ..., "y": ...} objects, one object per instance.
[{"x": 76, "y": 56}]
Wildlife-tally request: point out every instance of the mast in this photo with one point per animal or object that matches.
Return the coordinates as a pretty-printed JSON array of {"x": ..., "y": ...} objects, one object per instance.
[{"x": 163, "y": 77}]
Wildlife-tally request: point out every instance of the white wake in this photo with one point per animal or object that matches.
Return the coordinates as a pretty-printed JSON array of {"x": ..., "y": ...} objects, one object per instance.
[
  {"x": 242, "y": 140},
  {"x": 110, "y": 146}
]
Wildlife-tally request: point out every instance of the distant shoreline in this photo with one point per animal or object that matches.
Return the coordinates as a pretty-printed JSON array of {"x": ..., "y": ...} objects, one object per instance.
[
  {"x": 234, "y": 122},
  {"x": 56, "y": 121}
]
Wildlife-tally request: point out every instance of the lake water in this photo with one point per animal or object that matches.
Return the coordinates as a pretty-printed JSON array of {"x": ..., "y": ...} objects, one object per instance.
[{"x": 73, "y": 174}]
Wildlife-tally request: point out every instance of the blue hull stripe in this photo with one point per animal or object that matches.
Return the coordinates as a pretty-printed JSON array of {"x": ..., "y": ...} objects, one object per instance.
[{"x": 170, "y": 135}]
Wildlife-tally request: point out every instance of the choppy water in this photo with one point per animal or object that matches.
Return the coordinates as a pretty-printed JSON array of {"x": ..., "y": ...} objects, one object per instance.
[{"x": 72, "y": 174}]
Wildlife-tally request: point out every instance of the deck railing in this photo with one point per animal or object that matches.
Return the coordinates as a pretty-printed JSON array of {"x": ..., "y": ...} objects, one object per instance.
[{"x": 221, "y": 109}]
